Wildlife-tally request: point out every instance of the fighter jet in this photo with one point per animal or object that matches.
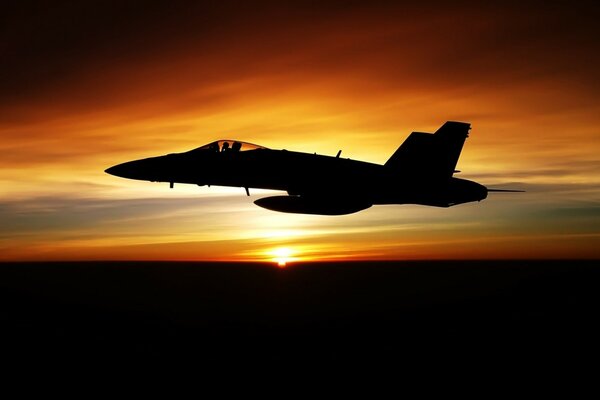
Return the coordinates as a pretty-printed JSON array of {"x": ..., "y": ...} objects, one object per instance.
[{"x": 419, "y": 172}]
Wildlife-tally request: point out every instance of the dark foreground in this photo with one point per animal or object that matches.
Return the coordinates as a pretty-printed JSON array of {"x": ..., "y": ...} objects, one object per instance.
[{"x": 415, "y": 314}]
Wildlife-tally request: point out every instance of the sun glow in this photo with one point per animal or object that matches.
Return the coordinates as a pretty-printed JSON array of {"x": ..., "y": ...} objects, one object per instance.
[{"x": 282, "y": 256}]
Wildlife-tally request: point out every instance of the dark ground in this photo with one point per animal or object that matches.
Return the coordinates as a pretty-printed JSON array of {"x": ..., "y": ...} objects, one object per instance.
[{"x": 519, "y": 314}]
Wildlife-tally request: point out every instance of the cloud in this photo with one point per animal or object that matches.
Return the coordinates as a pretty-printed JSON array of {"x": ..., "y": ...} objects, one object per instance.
[{"x": 231, "y": 227}]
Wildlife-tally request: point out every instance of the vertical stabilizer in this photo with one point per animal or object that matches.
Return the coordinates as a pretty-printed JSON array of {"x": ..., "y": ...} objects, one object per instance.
[{"x": 431, "y": 156}]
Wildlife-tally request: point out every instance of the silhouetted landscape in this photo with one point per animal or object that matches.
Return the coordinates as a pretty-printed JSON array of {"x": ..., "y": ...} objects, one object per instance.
[{"x": 407, "y": 313}]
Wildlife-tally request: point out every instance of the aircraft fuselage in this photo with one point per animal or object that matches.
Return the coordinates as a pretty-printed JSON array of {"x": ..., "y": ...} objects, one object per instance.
[{"x": 316, "y": 184}]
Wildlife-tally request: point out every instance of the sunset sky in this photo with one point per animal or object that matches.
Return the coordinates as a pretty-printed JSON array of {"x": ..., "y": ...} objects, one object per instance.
[{"x": 87, "y": 86}]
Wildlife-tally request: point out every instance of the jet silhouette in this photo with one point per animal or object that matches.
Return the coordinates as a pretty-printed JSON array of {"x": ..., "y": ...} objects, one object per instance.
[{"x": 419, "y": 172}]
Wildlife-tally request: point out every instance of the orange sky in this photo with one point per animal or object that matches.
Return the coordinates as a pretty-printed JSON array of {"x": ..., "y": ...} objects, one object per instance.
[{"x": 88, "y": 86}]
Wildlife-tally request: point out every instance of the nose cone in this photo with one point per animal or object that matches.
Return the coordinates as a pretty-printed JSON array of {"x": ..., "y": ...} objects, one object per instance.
[
  {"x": 120, "y": 170},
  {"x": 154, "y": 169},
  {"x": 112, "y": 170},
  {"x": 145, "y": 169}
]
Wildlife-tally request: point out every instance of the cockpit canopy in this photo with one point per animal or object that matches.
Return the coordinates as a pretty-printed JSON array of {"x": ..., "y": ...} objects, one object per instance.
[{"x": 229, "y": 145}]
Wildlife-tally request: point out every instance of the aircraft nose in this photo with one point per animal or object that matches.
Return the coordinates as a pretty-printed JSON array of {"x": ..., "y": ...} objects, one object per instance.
[
  {"x": 116, "y": 170},
  {"x": 125, "y": 170},
  {"x": 148, "y": 169}
]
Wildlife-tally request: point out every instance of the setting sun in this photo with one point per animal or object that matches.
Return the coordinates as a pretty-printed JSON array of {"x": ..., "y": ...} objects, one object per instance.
[{"x": 282, "y": 256}]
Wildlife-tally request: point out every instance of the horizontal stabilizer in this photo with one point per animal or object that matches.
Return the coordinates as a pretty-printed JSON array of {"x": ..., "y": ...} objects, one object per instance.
[{"x": 505, "y": 191}]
